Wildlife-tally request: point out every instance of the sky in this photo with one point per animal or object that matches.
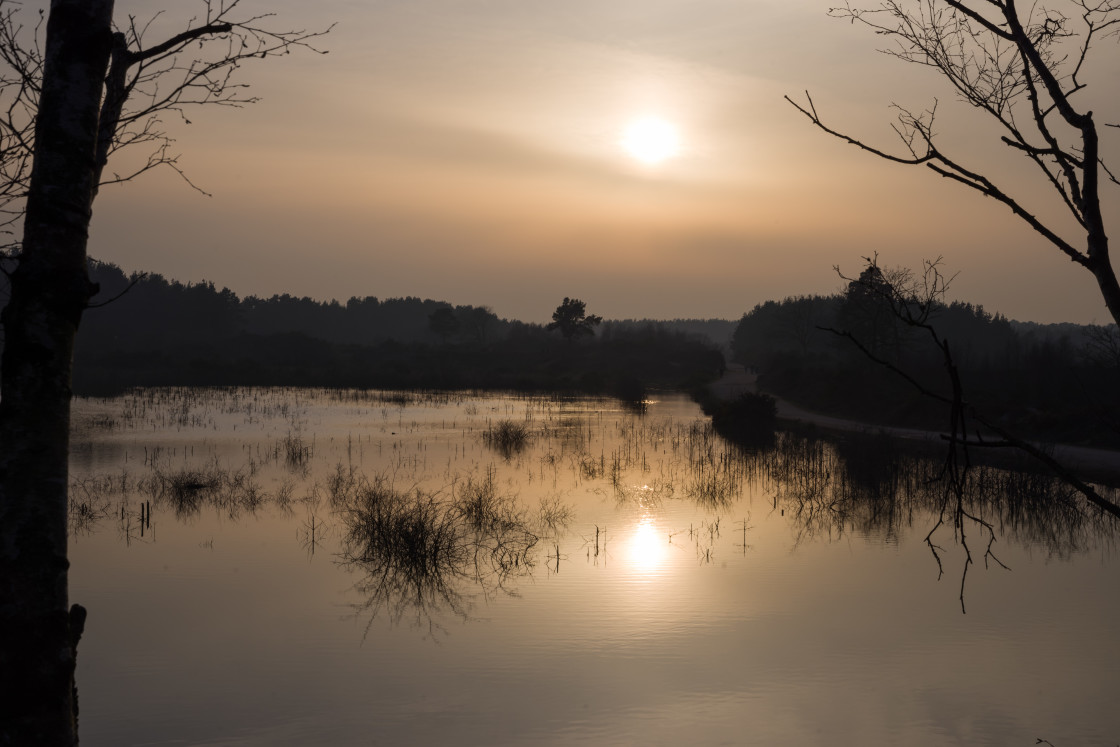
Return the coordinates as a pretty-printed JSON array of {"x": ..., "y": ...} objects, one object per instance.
[{"x": 474, "y": 151}]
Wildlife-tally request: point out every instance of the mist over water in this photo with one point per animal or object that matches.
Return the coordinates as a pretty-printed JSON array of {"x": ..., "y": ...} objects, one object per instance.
[{"x": 275, "y": 566}]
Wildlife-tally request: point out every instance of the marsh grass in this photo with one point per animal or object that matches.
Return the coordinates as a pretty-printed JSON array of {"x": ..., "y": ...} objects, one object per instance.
[
  {"x": 422, "y": 553},
  {"x": 714, "y": 489},
  {"x": 433, "y": 548},
  {"x": 508, "y": 437},
  {"x": 185, "y": 490},
  {"x": 296, "y": 452},
  {"x": 553, "y": 515},
  {"x": 591, "y": 468},
  {"x": 479, "y": 503},
  {"x": 87, "y": 511},
  {"x": 342, "y": 484}
]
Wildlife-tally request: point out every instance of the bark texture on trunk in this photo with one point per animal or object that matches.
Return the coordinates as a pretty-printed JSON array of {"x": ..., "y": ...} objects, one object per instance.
[{"x": 49, "y": 290}]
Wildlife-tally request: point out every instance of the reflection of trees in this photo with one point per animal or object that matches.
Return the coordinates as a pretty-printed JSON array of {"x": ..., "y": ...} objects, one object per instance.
[
  {"x": 419, "y": 554},
  {"x": 872, "y": 485}
]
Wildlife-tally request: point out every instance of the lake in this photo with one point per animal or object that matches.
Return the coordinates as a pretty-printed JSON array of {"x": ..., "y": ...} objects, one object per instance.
[{"x": 291, "y": 567}]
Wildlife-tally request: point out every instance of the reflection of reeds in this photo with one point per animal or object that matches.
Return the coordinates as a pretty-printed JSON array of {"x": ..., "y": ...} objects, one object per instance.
[
  {"x": 188, "y": 490},
  {"x": 591, "y": 468},
  {"x": 863, "y": 484},
  {"x": 90, "y": 503},
  {"x": 296, "y": 452},
  {"x": 423, "y": 554},
  {"x": 409, "y": 534},
  {"x": 341, "y": 485},
  {"x": 91, "y": 498},
  {"x": 714, "y": 489},
  {"x": 553, "y": 515},
  {"x": 507, "y": 436},
  {"x": 480, "y": 504}
]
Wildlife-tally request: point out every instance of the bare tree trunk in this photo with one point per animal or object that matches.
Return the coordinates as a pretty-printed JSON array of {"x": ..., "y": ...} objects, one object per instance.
[
  {"x": 1101, "y": 267},
  {"x": 49, "y": 290}
]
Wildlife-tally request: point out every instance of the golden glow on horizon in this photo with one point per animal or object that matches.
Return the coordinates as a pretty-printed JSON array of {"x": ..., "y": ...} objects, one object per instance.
[{"x": 651, "y": 140}]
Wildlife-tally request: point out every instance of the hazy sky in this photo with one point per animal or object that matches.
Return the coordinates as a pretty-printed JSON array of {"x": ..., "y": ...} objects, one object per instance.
[{"x": 471, "y": 151}]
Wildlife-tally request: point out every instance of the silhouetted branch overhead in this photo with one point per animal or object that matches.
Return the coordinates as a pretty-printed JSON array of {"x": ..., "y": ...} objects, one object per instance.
[
  {"x": 66, "y": 106},
  {"x": 910, "y": 300},
  {"x": 1023, "y": 68},
  {"x": 197, "y": 66}
]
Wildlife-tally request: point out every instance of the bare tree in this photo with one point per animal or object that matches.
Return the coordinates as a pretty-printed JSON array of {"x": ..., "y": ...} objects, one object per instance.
[
  {"x": 68, "y": 104},
  {"x": 1025, "y": 69},
  {"x": 911, "y": 299}
]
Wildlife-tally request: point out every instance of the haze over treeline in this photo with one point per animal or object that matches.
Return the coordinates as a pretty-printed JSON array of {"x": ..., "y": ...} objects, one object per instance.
[
  {"x": 147, "y": 330},
  {"x": 143, "y": 310}
]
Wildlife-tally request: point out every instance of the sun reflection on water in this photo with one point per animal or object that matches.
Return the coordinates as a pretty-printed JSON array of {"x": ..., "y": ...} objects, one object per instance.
[{"x": 647, "y": 549}]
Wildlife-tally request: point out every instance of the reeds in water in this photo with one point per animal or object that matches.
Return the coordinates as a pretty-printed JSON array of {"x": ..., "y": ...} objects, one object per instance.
[
  {"x": 423, "y": 553},
  {"x": 507, "y": 436}
]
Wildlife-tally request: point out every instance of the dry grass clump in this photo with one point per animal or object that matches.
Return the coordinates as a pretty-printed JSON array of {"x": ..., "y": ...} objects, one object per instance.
[
  {"x": 296, "y": 452},
  {"x": 422, "y": 553},
  {"x": 188, "y": 490},
  {"x": 507, "y": 436},
  {"x": 483, "y": 508},
  {"x": 408, "y": 534},
  {"x": 553, "y": 515}
]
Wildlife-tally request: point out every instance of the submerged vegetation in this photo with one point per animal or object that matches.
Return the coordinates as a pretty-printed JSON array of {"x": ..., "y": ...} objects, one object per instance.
[
  {"x": 417, "y": 509},
  {"x": 507, "y": 436},
  {"x": 420, "y": 553}
]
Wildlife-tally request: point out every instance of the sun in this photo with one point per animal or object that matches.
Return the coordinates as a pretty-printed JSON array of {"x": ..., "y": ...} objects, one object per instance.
[{"x": 651, "y": 140}]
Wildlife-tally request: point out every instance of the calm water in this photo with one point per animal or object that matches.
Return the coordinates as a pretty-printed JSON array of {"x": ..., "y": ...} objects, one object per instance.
[{"x": 636, "y": 581}]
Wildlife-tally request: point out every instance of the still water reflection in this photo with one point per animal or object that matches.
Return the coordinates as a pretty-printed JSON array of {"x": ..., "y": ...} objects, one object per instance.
[{"x": 278, "y": 567}]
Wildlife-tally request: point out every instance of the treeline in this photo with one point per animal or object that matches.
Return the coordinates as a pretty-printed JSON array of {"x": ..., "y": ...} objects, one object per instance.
[
  {"x": 849, "y": 355},
  {"x": 145, "y": 330},
  {"x": 717, "y": 331},
  {"x": 142, "y": 311}
]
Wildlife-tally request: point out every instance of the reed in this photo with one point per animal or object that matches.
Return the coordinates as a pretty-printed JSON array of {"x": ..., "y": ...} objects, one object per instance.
[
  {"x": 507, "y": 436},
  {"x": 297, "y": 453},
  {"x": 420, "y": 552}
]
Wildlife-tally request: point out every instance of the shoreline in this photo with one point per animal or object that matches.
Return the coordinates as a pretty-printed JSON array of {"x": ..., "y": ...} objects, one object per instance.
[{"x": 737, "y": 381}]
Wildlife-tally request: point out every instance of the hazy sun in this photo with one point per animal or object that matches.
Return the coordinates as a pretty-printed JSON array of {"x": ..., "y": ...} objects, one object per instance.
[{"x": 651, "y": 140}]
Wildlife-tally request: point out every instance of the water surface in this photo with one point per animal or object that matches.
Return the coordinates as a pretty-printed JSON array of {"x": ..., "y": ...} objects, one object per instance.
[{"x": 654, "y": 585}]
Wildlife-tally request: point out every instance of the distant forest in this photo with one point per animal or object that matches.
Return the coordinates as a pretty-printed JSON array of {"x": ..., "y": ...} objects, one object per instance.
[
  {"x": 145, "y": 330},
  {"x": 1050, "y": 382}
]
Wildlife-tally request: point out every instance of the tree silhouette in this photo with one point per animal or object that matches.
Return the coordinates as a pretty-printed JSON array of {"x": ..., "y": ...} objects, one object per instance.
[
  {"x": 65, "y": 108},
  {"x": 476, "y": 321},
  {"x": 443, "y": 323},
  {"x": 572, "y": 320},
  {"x": 913, "y": 299},
  {"x": 867, "y": 312},
  {"x": 1024, "y": 69}
]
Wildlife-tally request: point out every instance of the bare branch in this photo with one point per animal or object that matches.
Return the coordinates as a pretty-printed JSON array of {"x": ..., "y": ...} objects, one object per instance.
[
  {"x": 133, "y": 281},
  {"x": 144, "y": 84},
  {"x": 1023, "y": 69},
  {"x": 902, "y": 300},
  {"x": 811, "y": 113}
]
